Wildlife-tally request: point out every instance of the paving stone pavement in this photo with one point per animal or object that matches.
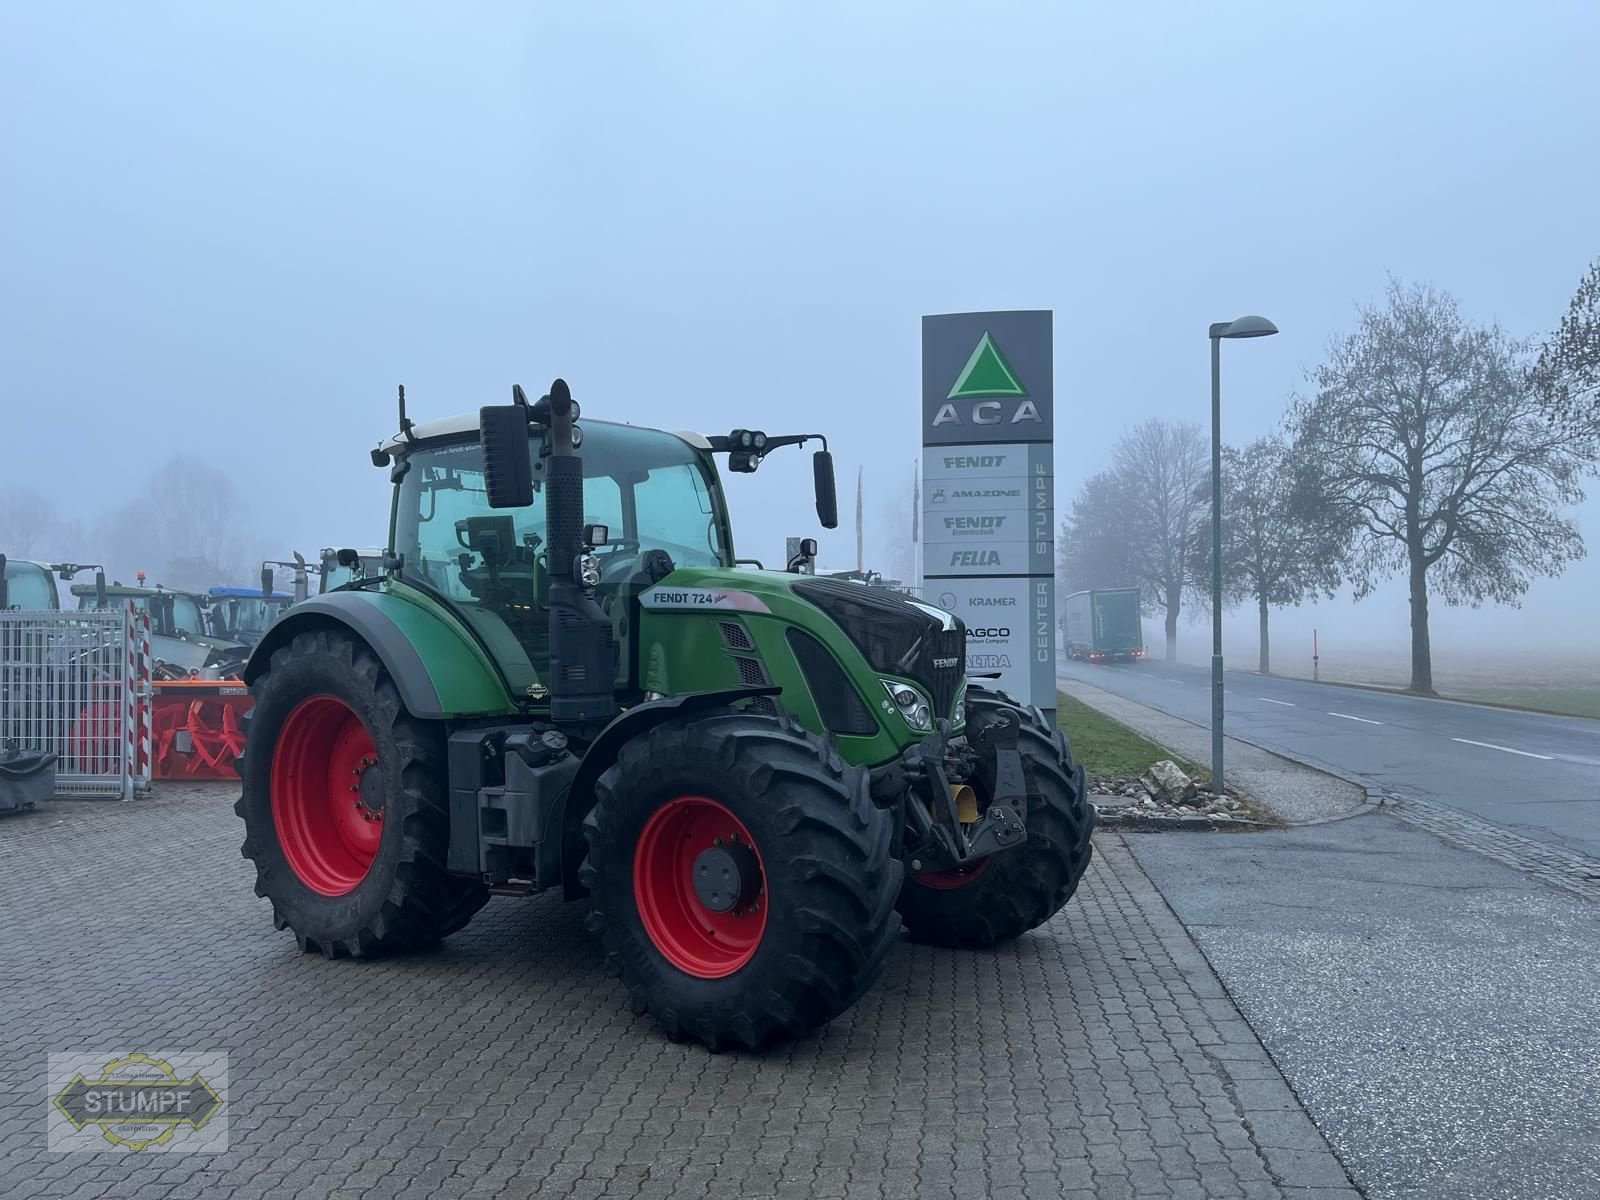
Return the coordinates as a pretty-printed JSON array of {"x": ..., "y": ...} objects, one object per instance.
[{"x": 1095, "y": 1057}]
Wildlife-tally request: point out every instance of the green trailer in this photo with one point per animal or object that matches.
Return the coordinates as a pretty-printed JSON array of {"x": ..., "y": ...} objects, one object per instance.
[
  {"x": 561, "y": 679},
  {"x": 1103, "y": 625}
]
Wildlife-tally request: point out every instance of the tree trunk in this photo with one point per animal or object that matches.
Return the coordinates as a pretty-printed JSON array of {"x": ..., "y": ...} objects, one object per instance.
[
  {"x": 1421, "y": 648},
  {"x": 1174, "y": 595},
  {"x": 1266, "y": 653}
]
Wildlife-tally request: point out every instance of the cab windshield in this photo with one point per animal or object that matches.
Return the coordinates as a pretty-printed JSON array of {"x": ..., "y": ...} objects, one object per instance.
[
  {"x": 651, "y": 490},
  {"x": 181, "y": 616},
  {"x": 29, "y": 586},
  {"x": 249, "y": 616}
]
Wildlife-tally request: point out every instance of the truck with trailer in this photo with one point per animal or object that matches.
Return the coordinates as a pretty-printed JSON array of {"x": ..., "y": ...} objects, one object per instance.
[{"x": 1103, "y": 625}]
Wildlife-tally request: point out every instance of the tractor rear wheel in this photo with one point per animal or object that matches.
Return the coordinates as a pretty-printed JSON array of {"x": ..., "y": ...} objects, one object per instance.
[
  {"x": 740, "y": 878},
  {"x": 345, "y": 805},
  {"x": 1009, "y": 893}
]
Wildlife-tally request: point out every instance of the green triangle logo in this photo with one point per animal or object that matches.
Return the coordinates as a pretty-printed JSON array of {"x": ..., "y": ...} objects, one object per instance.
[{"x": 986, "y": 374}]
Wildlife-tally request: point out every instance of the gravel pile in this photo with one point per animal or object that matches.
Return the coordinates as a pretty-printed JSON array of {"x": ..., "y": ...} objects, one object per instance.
[{"x": 1164, "y": 794}]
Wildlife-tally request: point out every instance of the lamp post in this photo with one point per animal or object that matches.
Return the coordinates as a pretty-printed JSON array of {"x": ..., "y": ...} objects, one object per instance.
[{"x": 1244, "y": 327}]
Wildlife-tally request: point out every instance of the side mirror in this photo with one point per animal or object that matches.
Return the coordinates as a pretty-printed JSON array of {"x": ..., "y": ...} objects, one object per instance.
[
  {"x": 827, "y": 497},
  {"x": 507, "y": 465},
  {"x": 99, "y": 588},
  {"x": 266, "y": 581}
]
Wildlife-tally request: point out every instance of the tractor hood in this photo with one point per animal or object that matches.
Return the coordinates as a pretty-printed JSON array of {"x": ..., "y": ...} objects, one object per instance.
[{"x": 897, "y": 635}]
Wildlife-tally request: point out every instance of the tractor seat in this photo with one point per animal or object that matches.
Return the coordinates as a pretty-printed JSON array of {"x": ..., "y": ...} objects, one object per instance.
[{"x": 519, "y": 582}]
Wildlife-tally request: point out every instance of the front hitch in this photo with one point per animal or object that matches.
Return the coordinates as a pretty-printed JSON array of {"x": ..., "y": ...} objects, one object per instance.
[{"x": 942, "y": 843}]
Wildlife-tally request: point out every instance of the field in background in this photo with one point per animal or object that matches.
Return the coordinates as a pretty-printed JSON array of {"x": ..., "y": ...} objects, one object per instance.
[{"x": 1558, "y": 682}]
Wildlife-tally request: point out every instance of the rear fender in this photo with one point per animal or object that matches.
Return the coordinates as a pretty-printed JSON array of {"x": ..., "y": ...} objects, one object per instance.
[
  {"x": 438, "y": 669},
  {"x": 603, "y": 751}
]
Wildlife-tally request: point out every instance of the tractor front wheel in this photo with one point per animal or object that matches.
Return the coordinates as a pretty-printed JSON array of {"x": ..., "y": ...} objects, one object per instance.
[
  {"x": 345, "y": 805},
  {"x": 740, "y": 878},
  {"x": 1012, "y": 891}
]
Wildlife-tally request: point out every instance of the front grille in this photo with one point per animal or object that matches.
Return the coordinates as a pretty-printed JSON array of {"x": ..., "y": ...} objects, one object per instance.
[
  {"x": 896, "y": 636},
  {"x": 942, "y": 682},
  {"x": 840, "y": 707}
]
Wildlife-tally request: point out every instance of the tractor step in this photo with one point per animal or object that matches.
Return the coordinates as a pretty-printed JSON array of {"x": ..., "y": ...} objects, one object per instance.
[{"x": 515, "y": 887}]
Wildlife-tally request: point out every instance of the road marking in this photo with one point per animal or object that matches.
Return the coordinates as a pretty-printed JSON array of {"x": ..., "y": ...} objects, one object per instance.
[
  {"x": 1270, "y": 700},
  {"x": 1170, "y": 679},
  {"x": 1348, "y": 717},
  {"x": 1507, "y": 749}
]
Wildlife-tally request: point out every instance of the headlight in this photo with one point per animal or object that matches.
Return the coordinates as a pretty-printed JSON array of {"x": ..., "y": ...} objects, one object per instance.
[
  {"x": 958, "y": 710},
  {"x": 588, "y": 571},
  {"x": 911, "y": 704}
]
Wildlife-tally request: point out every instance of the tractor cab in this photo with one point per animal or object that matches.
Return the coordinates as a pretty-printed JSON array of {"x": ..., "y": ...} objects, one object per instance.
[
  {"x": 172, "y": 614},
  {"x": 27, "y": 585},
  {"x": 182, "y": 639},
  {"x": 348, "y": 565},
  {"x": 242, "y": 615},
  {"x": 650, "y": 498}
]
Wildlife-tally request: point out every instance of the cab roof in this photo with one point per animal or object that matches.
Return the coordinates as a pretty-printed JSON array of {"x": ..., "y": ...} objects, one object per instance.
[
  {"x": 250, "y": 593},
  {"x": 123, "y": 589},
  {"x": 468, "y": 423}
]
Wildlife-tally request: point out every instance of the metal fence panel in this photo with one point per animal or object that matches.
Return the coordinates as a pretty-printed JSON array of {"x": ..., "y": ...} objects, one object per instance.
[{"x": 77, "y": 684}]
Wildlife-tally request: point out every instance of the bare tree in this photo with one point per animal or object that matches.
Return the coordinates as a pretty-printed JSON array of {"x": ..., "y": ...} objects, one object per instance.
[
  {"x": 186, "y": 528},
  {"x": 1135, "y": 525},
  {"x": 1163, "y": 469},
  {"x": 1426, "y": 439},
  {"x": 1093, "y": 549},
  {"x": 1566, "y": 374},
  {"x": 1273, "y": 551},
  {"x": 26, "y": 520}
]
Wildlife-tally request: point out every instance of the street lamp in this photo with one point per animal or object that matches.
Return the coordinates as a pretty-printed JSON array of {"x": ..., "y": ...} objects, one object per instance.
[{"x": 1244, "y": 327}]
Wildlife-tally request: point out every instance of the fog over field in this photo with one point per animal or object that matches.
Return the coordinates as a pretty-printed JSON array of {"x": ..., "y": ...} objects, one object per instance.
[{"x": 230, "y": 231}]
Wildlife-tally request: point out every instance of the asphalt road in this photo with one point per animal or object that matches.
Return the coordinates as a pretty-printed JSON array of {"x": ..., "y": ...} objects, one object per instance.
[
  {"x": 1537, "y": 773},
  {"x": 1433, "y": 1010}
]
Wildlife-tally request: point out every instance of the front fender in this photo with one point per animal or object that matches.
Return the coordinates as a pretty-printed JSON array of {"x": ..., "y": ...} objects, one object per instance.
[{"x": 438, "y": 669}]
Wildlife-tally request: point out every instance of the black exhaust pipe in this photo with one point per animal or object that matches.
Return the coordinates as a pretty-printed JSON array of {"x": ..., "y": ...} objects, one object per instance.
[{"x": 582, "y": 652}]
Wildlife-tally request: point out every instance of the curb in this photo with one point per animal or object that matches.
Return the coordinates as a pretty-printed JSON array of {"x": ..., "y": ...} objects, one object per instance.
[{"x": 1143, "y": 824}]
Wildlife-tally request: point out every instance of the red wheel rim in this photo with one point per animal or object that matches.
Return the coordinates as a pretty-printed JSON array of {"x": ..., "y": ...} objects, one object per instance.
[
  {"x": 327, "y": 795},
  {"x": 691, "y": 936},
  {"x": 955, "y": 878}
]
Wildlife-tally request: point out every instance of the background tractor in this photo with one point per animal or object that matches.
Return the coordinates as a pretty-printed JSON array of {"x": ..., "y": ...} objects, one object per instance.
[
  {"x": 243, "y": 614},
  {"x": 561, "y": 679},
  {"x": 183, "y": 641}
]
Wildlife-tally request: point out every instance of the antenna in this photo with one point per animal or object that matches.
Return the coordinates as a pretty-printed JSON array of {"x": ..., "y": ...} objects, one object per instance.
[{"x": 405, "y": 421}]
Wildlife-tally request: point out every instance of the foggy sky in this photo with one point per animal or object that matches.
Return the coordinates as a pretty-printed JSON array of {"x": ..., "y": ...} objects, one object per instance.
[{"x": 233, "y": 229}]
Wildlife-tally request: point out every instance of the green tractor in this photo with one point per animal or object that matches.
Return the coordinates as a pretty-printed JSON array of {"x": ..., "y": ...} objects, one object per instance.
[{"x": 564, "y": 678}]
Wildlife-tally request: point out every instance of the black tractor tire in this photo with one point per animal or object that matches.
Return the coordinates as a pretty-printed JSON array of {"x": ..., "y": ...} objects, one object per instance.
[
  {"x": 823, "y": 854},
  {"x": 1014, "y": 890},
  {"x": 405, "y": 899}
]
